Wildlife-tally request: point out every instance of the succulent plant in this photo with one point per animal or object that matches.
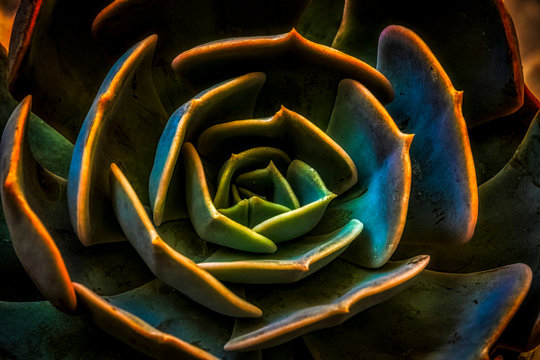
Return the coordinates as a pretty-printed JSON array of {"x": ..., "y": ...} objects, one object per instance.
[{"x": 286, "y": 180}]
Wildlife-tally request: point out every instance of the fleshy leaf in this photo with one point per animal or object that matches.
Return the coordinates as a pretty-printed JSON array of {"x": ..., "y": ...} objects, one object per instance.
[
  {"x": 270, "y": 181},
  {"x": 320, "y": 21},
  {"x": 256, "y": 156},
  {"x": 302, "y": 75},
  {"x": 484, "y": 63},
  {"x": 168, "y": 265},
  {"x": 225, "y": 101},
  {"x": 28, "y": 190},
  {"x": 35, "y": 203},
  {"x": 507, "y": 232},
  {"x": 494, "y": 143},
  {"x": 118, "y": 128},
  {"x": 37, "y": 330},
  {"x": 209, "y": 223},
  {"x": 379, "y": 199},
  {"x": 314, "y": 198},
  {"x": 296, "y": 309},
  {"x": 292, "y": 261},
  {"x": 181, "y": 236},
  {"x": 441, "y": 316},
  {"x": 152, "y": 318},
  {"x": 443, "y": 205},
  {"x": 54, "y": 57},
  {"x": 296, "y": 135},
  {"x": 179, "y": 27}
]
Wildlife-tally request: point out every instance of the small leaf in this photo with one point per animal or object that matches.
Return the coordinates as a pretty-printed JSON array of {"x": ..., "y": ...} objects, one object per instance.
[
  {"x": 294, "y": 134},
  {"x": 208, "y": 222},
  {"x": 314, "y": 198},
  {"x": 292, "y": 261},
  {"x": 257, "y": 156}
]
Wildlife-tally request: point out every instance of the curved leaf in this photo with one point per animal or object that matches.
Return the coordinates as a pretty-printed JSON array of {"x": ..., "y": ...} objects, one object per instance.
[
  {"x": 292, "y": 261},
  {"x": 23, "y": 180},
  {"x": 379, "y": 199},
  {"x": 120, "y": 128},
  {"x": 302, "y": 75},
  {"x": 484, "y": 64},
  {"x": 296, "y": 309},
  {"x": 296, "y": 135},
  {"x": 444, "y": 201},
  {"x": 507, "y": 232},
  {"x": 54, "y": 57},
  {"x": 208, "y": 222},
  {"x": 37, "y": 330},
  {"x": 441, "y": 316},
  {"x": 170, "y": 266},
  {"x": 220, "y": 103},
  {"x": 35, "y": 203}
]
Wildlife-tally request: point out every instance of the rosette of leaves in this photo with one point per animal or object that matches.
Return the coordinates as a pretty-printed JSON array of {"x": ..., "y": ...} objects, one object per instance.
[{"x": 245, "y": 197}]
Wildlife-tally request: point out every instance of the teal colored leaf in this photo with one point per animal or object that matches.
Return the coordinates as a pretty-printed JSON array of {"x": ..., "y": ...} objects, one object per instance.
[
  {"x": 291, "y": 310},
  {"x": 379, "y": 199},
  {"x": 507, "y": 232},
  {"x": 443, "y": 205},
  {"x": 159, "y": 321},
  {"x": 441, "y": 316},
  {"x": 484, "y": 63}
]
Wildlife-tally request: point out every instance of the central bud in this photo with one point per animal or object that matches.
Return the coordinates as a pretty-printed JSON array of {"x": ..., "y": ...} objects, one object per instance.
[{"x": 275, "y": 187}]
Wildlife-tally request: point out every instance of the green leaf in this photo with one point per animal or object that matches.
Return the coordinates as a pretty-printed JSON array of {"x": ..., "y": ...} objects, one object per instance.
[
  {"x": 220, "y": 103},
  {"x": 210, "y": 224},
  {"x": 297, "y": 136},
  {"x": 292, "y": 261}
]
